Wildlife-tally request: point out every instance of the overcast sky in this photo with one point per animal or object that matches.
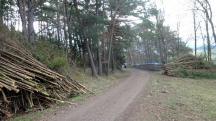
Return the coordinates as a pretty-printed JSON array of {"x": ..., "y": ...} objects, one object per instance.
[{"x": 180, "y": 11}]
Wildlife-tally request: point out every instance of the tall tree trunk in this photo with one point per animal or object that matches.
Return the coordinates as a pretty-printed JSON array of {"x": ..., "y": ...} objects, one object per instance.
[
  {"x": 213, "y": 29},
  {"x": 165, "y": 52},
  {"x": 1, "y": 13},
  {"x": 1, "y": 20},
  {"x": 195, "y": 30},
  {"x": 208, "y": 41},
  {"x": 159, "y": 27},
  {"x": 65, "y": 26},
  {"x": 113, "y": 63},
  {"x": 31, "y": 34},
  {"x": 100, "y": 67},
  {"x": 111, "y": 35},
  {"x": 209, "y": 17},
  {"x": 204, "y": 44},
  {"x": 58, "y": 23},
  {"x": 93, "y": 67},
  {"x": 2, "y": 6},
  {"x": 22, "y": 11},
  {"x": 178, "y": 43},
  {"x": 207, "y": 10}
]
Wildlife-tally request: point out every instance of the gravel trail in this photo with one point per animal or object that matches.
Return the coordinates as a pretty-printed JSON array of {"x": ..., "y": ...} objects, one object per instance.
[{"x": 111, "y": 105}]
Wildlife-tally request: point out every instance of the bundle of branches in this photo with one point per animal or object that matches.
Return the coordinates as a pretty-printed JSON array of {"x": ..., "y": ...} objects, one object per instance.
[
  {"x": 184, "y": 63},
  {"x": 26, "y": 83}
]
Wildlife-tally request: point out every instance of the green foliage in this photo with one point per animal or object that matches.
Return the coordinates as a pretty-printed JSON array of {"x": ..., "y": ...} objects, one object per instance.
[
  {"x": 58, "y": 62},
  {"x": 196, "y": 74},
  {"x": 124, "y": 7},
  {"x": 182, "y": 72},
  {"x": 202, "y": 74},
  {"x": 50, "y": 54},
  {"x": 5, "y": 6}
]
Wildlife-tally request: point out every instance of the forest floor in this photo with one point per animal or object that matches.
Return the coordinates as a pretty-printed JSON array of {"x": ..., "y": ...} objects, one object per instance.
[{"x": 141, "y": 96}]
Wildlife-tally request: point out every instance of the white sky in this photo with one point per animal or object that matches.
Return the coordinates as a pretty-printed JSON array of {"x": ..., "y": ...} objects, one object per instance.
[{"x": 180, "y": 11}]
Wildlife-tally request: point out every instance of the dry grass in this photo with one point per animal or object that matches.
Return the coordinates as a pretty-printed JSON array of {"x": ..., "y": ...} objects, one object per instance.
[{"x": 178, "y": 99}]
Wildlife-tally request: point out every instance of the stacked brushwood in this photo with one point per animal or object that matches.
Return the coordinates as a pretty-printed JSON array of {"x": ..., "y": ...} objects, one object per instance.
[
  {"x": 184, "y": 63},
  {"x": 26, "y": 83}
]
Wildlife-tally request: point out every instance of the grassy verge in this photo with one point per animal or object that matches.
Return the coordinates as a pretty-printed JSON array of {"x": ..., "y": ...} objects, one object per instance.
[
  {"x": 196, "y": 73},
  {"x": 97, "y": 85},
  {"x": 181, "y": 99}
]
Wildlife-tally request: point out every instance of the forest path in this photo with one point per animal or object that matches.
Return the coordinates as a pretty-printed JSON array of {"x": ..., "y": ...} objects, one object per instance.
[{"x": 111, "y": 105}]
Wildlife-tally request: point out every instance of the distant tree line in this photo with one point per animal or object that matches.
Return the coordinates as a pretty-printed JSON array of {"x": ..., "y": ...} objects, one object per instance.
[{"x": 156, "y": 42}]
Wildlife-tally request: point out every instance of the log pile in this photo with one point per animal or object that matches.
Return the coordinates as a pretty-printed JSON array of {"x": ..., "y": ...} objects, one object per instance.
[
  {"x": 184, "y": 63},
  {"x": 26, "y": 83}
]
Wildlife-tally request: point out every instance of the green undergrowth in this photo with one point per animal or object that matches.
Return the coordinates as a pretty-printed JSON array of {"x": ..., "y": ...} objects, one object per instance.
[
  {"x": 197, "y": 74},
  {"x": 50, "y": 54},
  {"x": 185, "y": 99},
  {"x": 47, "y": 51}
]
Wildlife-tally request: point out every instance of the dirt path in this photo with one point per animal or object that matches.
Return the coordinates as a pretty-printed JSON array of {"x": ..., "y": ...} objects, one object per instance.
[{"x": 111, "y": 106}]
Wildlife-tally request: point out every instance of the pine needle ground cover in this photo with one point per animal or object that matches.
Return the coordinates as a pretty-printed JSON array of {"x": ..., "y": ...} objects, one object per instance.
[{"x": 26, "y": 83}]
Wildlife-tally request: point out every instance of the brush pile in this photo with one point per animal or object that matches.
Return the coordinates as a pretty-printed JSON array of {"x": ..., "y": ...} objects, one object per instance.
[
  {"x": 184, "y": 63},
  {"x": 26, "y": 83}
]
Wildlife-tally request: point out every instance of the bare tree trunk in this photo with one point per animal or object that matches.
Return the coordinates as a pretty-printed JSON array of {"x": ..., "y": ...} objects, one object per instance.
[
  {"x": 100, "y": 67},
  {"x": 1, "y": 20},
  {"x": 93, "y": 67},
  {"x": 160, "y": 44},
  {"x": 65, "y": 25},
  {"x": 165, "y": 52},
  {"x": 31, "y": 34},
  {"x": 112, "y": 62},
  {"x": 208, "y": 41},
  {"x": 204, "y": 45},
  {"x": 111, "y": 33},
  {"x": 207, "y": 10},
  {"x": 113, "y": 22},
  {"x": 110, "y": 48},
  {"x": 22, "y": 11},
  {"x": 160, "y": 37},
  {"x": 58, "y": 23},
  {"x": 1, "y": 15},
  {"x": 213, "y": 29},
  {"x": 2, "y": 5},
  {"x": 178, "y": 44},
  {"x": 209, "y": 17},
  {"x": 195, "y": 30}
]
